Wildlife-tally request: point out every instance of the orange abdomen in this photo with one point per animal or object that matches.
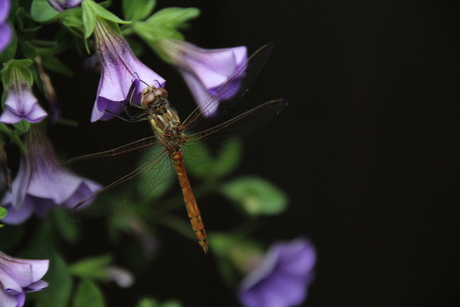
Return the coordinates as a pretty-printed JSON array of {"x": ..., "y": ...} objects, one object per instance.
[{"x": 190, "y": 201}]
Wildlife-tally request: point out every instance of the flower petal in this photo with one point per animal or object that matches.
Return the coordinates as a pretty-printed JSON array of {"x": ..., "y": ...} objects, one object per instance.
[
  {"x": 18, "y": 216},
  {"x": 204, "y": 70},
  {"x": 9, "y": 284},
  {"x": 85, "y": 189},
  {"x": 283, "y": 277},
  {"x": 120, "y": 68},
  {"x": 36, "y": 114},
  {"x": 25, "y": 271},
  {"x": 9, "y": 117},
  {"x": 5, "y": 6},
  {"x": 8, "y": 300},
  {"x": 6, "y": 34},
  {"x": 23, "y": 105},
  {"x": 36, "y": 286}
]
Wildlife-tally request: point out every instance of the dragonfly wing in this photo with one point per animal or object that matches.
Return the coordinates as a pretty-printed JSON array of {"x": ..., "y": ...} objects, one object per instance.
[
  {"x": 235, "y": 128},
  {"x": 132, "y": 189},
  {"x": 107, "y": 166},
  {"x": 229, "y": 93}
]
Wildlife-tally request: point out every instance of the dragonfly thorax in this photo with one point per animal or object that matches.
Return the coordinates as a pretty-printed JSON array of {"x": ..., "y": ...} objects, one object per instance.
[{"x": 166, "y": 123}]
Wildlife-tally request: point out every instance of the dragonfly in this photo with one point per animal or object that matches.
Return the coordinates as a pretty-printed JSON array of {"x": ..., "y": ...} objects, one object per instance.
[{"x": 175, "y": 142}]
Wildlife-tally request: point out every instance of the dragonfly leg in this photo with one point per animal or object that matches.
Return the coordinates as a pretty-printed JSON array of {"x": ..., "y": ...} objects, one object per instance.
[{"x": 132, "y": 119}]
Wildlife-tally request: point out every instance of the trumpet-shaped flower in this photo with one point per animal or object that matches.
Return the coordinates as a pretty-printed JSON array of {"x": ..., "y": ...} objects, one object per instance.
[
  {"x": 20, "y": 102},
  {"x": 282, "y": 277},
  {"x": 41, "y": 184},
  {"x": 203, "y": 70},
  {"x": 19, "y": 276},
  {"x": 120, "y": 68},
  {"x": 61, "y": 5},
  {"x": 6, "y": 33}
]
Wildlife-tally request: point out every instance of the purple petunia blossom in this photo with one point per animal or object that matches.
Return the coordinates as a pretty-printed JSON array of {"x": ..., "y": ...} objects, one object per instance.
[
  {"x": 282, "y": 279},
  {"x": 20, "y": 102},
  {"x": 6, "y": 33},
  {"x": 19, "y": 276},
  {"x": 120, "y": 70},
  {"x": 41, "y": 184},
  {"x": 203, "y": 70},
  {"x": 60, "y": 5}
]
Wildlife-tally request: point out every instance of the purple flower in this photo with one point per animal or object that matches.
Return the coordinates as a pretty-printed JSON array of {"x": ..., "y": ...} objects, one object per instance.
[
  {"x": 203, "y": 70},
  {"x": 6, "y": 33},
  {"x": 19, "y": 276},
  {"x": 282, "y": 278},
  {"x": 41, "y": 184},
  {"x": 120, "y": 68},
  {"x": 60, "y": 5},
  {"x": 20, "y": 102}
]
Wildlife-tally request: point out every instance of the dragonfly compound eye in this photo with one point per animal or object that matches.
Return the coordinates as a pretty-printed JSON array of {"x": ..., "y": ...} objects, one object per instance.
[
  {"x": 161, "y": 92},
  {"x": 148, "y": 99}
]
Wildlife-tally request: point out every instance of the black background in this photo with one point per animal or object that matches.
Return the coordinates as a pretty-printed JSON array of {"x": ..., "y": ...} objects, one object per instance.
[{"x": 367, "y": 149}]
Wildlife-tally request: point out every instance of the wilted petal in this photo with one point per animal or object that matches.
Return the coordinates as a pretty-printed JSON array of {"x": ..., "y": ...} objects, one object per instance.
[{"x": 120, "y": 68}]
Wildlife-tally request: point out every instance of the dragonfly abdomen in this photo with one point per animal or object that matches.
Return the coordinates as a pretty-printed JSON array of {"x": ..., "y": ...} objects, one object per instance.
[{"x": 189, "y": 199}]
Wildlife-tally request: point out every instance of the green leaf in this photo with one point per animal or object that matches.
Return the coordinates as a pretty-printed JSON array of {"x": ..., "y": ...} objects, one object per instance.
[
  {"x": 172, "y": 303},
  {"x": 89, "y": 17},
  {"x": 255, "y": 195},
  {"x": 11, "y": 236},
  {"x": 15, "y": 69},
  {"x": 41, "y": 11},
  {"x": 72, "y": 19},
  {"x": 10, "y": 51},
  {"x": 68, "y": 231},
  {"x": 214, "y": 167},
  {"x": 153, "y": 33},
  {"x": 60, "y": 284},
  {"x": 232, "y": 251},
  {"x": 147, "y": 302},
  {"x": 3, "y": 213},
  {"x": 54, "y": 64},
  {"x": 173, "y": 16},
  {"x": 163, "y": 25},
  {"x": 13, "y": 135},
  {"x": 22, "y": 126},
  {"x": 30, "y": 51},
  {"x": 88, "y": 294},
  {"x": 92, "y": 11},
  {"x": 150, "y": 302},
  {"x": 92, "y": 268},
  {"x": 135, "y": 10}
]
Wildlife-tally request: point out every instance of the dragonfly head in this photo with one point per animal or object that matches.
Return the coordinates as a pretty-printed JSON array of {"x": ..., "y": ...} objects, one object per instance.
[{"x": 151, "y": 94}]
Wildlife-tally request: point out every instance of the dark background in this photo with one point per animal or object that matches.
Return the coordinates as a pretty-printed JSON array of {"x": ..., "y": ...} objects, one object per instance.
[{"x": 367, "y": 150}]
